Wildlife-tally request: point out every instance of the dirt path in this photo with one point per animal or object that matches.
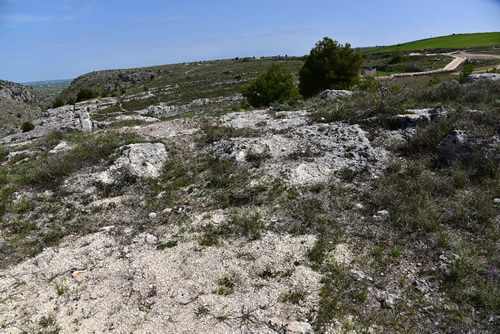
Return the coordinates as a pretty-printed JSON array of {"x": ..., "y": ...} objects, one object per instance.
[
  {"x": 454, "y": 64},
  {"x": 459, "y": 58},
  {"x": 480, "y": 56}
]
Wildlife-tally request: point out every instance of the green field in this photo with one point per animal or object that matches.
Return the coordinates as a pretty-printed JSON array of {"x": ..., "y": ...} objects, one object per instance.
[
  {"x": 477, "y": 40},
  {"x": 50, "y": 86}
]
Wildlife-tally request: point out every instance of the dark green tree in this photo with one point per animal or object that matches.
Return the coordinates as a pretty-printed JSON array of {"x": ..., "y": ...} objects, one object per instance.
[
  {"x": 58, "y": 103},
  {"x": 85, "y": 94},
  {"x": 329, "y": 66},
  {"x": 27, "y": 126},
  {"x": 468, "y": 69},
  {"x": 276, "y": 84}
]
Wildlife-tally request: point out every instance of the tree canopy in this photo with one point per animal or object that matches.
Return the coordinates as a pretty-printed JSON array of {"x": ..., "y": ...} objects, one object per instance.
[
  {"x": 276, "y": 84},
  {"x": 329, "y": 66}
]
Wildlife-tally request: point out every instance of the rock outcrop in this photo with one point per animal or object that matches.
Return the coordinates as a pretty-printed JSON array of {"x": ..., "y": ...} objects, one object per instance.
[
  {"x": 335, "y": 93},
  {"x": 140, "y": 160},
  {"x": 471, "y": 78},
  {"x": 67, "y": 118},
  {"x": 167, "y": 110},
  {"x": 18, "y": 92},
  {"x": 461, "y": 144},
  {"x": 307, "y": 154}
]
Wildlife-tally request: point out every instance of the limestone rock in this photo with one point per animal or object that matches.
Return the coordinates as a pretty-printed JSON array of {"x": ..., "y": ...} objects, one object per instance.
[
  {"x": 457, "y": 143},
  {"x": 18, "y": 92},
  {"x": 381, "y": 215},
  {"x": 488, "y": 76},
  {"x": 135, "y": 76},
  {"x": 296, "y": 327},
  {"x": 414, "y": 117},
  {"x": 359, "y": 275},
  {"x": 140, "y": 118},
  {"x": 308, "y": 153},
  {"x": 62, "y": 146},
  {"x": 151, "y": 239},
  {"x": 387, "y": 299},
  {"x": 142, "y": 160},
  {"x": 335, "y": 93}
]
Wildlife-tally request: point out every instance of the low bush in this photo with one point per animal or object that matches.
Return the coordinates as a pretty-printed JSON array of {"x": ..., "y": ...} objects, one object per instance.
[
  {"x": 276, "y": 84},
  {"x": 85, "y": 94},
  {"x": 27, "y": 126},
  {"x": 58, "y": 103},
  {"x": 468, "y": 69}
]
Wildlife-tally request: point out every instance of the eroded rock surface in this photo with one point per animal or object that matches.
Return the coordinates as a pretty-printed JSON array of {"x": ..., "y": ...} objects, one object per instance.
[
  {"x": 141, "y": 160},
  {"x": 94, "y": 284},
  {"x": 478, "y": 76},
  {"x": 306, "y": 154}
]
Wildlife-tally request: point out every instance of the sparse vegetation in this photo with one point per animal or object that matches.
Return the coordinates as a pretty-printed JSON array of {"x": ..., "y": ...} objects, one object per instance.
[{"x": 412, "y": 242}]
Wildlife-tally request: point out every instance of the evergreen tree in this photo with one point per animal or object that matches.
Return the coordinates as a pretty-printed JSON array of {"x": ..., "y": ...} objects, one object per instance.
[{"x": 329, "y": 66}]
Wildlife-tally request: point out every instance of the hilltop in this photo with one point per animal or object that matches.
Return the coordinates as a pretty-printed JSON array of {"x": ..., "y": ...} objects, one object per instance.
[
  {"x": 451, "y": 42},
  {"x": 178, "y": 83}
]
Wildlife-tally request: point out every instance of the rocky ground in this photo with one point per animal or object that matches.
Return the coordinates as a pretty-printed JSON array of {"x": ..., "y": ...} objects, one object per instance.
[{"x": 253, "y": 221}]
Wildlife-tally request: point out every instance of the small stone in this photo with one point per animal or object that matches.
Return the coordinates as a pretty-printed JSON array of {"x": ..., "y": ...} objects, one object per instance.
[
  {"x": 77, "y": 273},
  {"x": 390, "y": 300},
  {"x": 107, "y": 228},
  {"x": 357, "y": 274},
  {"x": 151, "y": 239},
  {"x": 62, "y": 146},
  {"x": 359, "y": 206},
  {"x": 381, "y": 215},
  {"x": 496, "y": 201},
  {"x": 296, "y": 327},
  {"x": 152, "y": 215}
]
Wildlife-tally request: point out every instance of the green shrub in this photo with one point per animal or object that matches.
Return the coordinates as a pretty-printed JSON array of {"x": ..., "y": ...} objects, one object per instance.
[
  {"x": 276, "y": 84},
  {"x": 433, "y": 81},
  {"x": 329, "y": 66},
  {"x": 85, "y": 94},
  {"x": 468, "y": 69},
  {"x": 27, "y": 126},
  {"x": 397, "y": 56},
  {"x": 58, "y": 103},
  {"x": 368, "y": 85}
]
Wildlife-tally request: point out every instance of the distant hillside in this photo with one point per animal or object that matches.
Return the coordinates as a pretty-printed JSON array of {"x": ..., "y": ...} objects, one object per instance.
[
  {"x": 50, "y": 86},
  {"x": 454, "y": 41},
  {"x": 18, "y": 104},
  {"x": 178, "y": 83}
]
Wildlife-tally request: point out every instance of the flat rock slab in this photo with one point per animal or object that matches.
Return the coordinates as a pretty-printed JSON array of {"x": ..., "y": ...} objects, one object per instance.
[
  {"x": 142, "y": 160},
  {"x": 307, "y": 153}
]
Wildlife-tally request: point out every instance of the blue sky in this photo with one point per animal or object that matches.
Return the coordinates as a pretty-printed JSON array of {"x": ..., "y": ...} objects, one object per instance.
[{"x": 59, "y": 39}]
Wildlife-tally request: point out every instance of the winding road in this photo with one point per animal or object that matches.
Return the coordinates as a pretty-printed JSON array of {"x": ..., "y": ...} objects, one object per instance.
[{"x": 458, "y": 58}]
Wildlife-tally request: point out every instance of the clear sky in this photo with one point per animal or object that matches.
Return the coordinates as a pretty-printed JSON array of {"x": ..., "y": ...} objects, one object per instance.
[{"x": 62, "y": 39}]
